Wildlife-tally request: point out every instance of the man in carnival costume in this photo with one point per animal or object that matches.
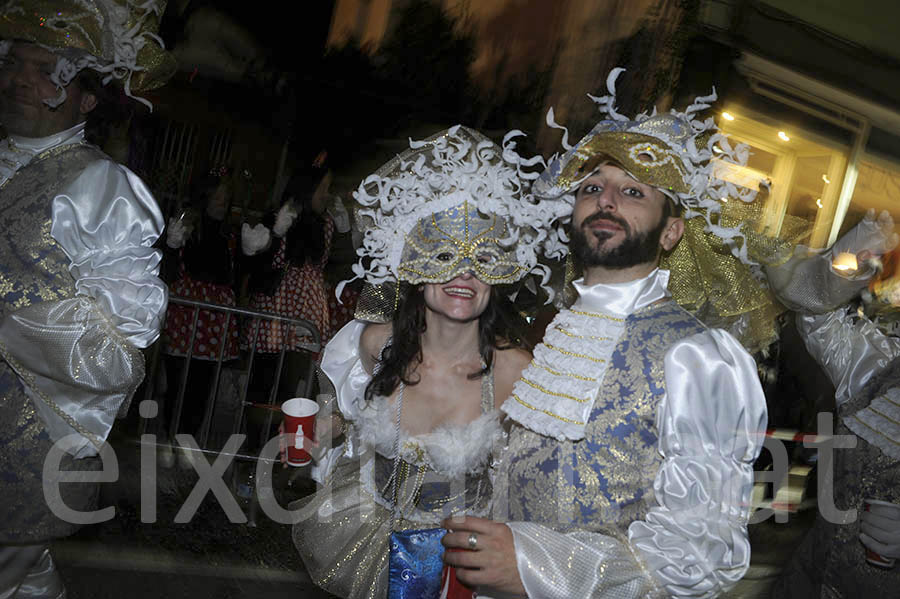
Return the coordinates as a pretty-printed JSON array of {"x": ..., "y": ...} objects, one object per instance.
[
  {"x": 628, "y": 470},
  {"x": 863, "y": 362},
  {"x": 80, "y": 291}
]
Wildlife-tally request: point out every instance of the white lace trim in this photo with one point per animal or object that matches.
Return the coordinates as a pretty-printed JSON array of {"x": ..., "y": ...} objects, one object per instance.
[{"x": 557, "y": 391}]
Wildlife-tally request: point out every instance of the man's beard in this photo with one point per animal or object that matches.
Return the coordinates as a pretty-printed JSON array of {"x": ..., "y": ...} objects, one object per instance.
[{"x": 635, "y": 249}]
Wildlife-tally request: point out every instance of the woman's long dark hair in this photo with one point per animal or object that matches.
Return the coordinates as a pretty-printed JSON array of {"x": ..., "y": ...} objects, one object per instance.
[
  {"x": 499, "y": 327},
  {"x": 305, "y": 241}
]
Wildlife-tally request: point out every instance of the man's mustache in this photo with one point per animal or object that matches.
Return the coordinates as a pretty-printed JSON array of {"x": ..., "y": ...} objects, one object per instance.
[{"x": 608, "y": 216}]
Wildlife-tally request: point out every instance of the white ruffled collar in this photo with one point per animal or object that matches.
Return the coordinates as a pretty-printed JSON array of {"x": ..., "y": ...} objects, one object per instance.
[
  {"x": 16, "y": 151},
  {"x": 622, "y": 298},
  {"x": 556, "y": 393},
  {"x": 36, "y": 145}
]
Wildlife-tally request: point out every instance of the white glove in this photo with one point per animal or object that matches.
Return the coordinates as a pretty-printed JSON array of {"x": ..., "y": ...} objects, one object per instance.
[
  {"x": 176, "y": 233},
  {"x": 880, "y": 528},
  {"x": 876, "y": 236},
  {"x": 285, "y": 218},
  {"x": 339, "y": 215},
  {"x": 255, "y": 239}
]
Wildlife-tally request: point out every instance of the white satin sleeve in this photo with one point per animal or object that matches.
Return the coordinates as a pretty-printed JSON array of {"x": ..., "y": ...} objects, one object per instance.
[
  {"x": 342, "y": 364},
  {"x": 851, "y": 350},
  {"x": 106, "y": 221},
  {"x": 79, "y": 357},
  {"x": 693, "y": 542}
]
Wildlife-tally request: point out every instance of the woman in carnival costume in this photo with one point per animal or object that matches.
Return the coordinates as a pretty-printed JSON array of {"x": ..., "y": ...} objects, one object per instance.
[{"x": 430, "y": 356}]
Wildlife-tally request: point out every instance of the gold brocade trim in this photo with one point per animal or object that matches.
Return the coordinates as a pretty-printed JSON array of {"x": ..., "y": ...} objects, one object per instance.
[
  {"x": 534, "y": 385},
  {"x": 573, "y": 335},
  {"x": 597, "y": 315},
  {"x": 28, "y": 377},
  {"x": 548, "y": 413},
  {"x": 874, "y": 430},
  {"x": 110, "y": 331},
  {"x": 573, "y": 354},
  {"x": 589, "y": 379},
  {"x": 55, "y": 151}
]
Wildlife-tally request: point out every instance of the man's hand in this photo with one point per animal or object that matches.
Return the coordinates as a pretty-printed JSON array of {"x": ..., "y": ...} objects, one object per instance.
[{"x": 492, "y": 561}]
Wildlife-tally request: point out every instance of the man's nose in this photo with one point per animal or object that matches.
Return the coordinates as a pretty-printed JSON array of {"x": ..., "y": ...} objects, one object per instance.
[{"x": 606, "y": 200}]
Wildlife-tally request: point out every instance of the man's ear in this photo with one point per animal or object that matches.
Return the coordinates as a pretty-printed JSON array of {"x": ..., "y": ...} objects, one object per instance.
[
  {"x": 88, "y": 103},
  {"x": 672, "y": 233}
]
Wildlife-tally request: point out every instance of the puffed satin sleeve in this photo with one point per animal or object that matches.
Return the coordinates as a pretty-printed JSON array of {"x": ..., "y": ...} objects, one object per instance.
[
  {"x": 342, "y": 364},
  {"x": 693, "y": 542},
  {"x": 851, "y": 350},
  {"x": 79, "y": 357},
  {"x": 106, "y": 222}
]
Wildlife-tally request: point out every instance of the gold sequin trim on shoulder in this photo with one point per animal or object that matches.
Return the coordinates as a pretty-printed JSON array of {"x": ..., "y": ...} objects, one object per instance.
[
  {"x": 547, "y": 412},
  {"x": 573, "y": 354},
  {"x": 47, "y": 154},
  {"x": 534, "y": 385},
  {"x": 597, "y": 315},
  {"x": 589, "y": 379}
]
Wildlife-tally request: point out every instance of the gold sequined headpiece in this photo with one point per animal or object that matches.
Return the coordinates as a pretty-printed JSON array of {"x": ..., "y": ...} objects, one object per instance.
[
  {"x": 715, "y": 268},
  {"x": 451, "y": 204},
  {"x": 116, "y": 38}
]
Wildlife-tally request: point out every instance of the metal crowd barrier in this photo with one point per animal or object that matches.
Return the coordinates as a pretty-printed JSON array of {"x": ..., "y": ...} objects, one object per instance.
[{"x": 257, "y": 316}]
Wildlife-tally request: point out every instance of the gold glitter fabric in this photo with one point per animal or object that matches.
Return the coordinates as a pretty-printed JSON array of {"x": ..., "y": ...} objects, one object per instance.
[
  {"x": 120, "y": 34},
  {"x": 33, "y": 271},
  {"x": 643, "y": 156},
  {"x": 721, "y": 290},
  {"x": 605, "y": 481},
  {"x": 376, "y": 303}
]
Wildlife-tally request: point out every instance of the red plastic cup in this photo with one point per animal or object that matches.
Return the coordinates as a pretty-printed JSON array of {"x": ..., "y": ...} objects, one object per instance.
[
  {"x": 300, "y": 421},
  {"x": 451, "y": 587}
]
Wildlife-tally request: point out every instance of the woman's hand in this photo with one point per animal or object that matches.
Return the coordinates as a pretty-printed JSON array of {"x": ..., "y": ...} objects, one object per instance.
[
  {"x": 326, "y": 428},
  {"x": 255, "y": 239}
]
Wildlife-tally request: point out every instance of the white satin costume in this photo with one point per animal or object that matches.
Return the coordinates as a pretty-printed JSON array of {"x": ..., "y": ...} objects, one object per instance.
[
  {"x": 342, "y": 531},
  {"x": 628, "y": 471},
  {"x": 80, "y": 298}
]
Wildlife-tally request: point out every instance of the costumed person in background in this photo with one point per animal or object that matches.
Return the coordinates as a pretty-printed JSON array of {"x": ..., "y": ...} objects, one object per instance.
[
  {"x": 629, "y": 465},
  {"x": 80, "y": 293},
  {"x": 863, "y": 363},
  {"x": 287, "y": 278},
  {"x": 448, "y": 225},
  {"x": 206, "y": 249}
]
